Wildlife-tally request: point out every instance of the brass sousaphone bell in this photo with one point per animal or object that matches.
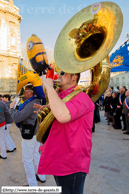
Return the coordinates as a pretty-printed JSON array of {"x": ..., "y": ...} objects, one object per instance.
[{"x": 84, "y": 43}]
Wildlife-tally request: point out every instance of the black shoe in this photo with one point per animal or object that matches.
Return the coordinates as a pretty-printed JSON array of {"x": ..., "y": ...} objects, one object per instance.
[
  {"x": 123, "y": 129},
  {"x": 8, "y": 151},
  {"x": 25, "y": 185},
  {"x": 116, "y": 127},
  {"x": 3, "y": 157},
  {"x": 127, "y": 133},
  {"x": 39, "y": 179}
]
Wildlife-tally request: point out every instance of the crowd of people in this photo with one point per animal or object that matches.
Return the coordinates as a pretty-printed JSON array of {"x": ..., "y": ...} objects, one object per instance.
[{"x": 115, "y": 103}]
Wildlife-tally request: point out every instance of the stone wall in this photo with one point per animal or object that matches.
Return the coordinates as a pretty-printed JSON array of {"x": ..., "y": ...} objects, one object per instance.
[{"x": 10, "y": 46}]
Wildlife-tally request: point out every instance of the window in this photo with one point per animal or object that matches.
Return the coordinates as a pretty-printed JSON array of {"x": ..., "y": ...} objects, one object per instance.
[
  {"x": 123, "y": 80},
  {"x": 112, "y": 82},
  {"x": 117, "y": 80}
]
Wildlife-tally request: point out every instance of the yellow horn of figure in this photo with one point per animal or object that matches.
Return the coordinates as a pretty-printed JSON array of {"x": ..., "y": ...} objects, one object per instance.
[{"x": 25, "y": 76}]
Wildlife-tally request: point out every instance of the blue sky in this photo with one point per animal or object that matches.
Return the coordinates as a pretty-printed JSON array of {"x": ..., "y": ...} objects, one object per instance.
[{"x": 47, "y": 18}]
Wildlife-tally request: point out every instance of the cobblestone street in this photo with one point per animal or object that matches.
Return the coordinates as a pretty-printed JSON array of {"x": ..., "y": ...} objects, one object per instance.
[{"x": 109, "y": 172}]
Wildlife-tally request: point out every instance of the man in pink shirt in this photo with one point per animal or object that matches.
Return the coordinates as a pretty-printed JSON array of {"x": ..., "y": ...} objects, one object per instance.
[{"x": 66, "y": 153}]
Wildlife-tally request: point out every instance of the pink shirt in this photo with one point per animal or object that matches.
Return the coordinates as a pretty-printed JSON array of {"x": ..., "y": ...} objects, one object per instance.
[{"x": 68, "y": 147}]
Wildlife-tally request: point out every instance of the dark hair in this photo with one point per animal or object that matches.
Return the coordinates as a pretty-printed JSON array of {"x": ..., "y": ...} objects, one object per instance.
[
  {"x": 7, "y": 96},
  {"x": 78, "y": 76},
  {"x": 1, "y": 96},
  {"x": 115, "y": 93},
  {"x": 124, "y": 87},
  {"x": 30, "y": 87},
  {"x": 111, "y": 87}
]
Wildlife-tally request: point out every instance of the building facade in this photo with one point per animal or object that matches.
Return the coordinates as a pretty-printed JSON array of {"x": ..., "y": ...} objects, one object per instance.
[
  {"x": 121, "y": 79},
  {"x": 10, "y": 45}
]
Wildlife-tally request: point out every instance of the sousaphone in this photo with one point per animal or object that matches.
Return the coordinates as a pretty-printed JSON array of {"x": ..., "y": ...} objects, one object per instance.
[{"x": 84, "y": 43}]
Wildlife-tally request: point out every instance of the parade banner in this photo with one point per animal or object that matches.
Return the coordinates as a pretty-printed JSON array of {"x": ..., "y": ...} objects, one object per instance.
[{"x": 119, "y": 60}]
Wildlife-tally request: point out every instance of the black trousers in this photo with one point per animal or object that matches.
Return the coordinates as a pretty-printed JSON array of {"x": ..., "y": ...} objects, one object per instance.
[
  {"x": 127, "y": 122},
  {"x": 117, "y": 121},
  {"x": 71, "y": 184}
]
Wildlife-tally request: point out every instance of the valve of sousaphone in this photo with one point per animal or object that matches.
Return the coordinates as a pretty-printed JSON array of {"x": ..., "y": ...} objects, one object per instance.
[{"x": 37, "y": 55}]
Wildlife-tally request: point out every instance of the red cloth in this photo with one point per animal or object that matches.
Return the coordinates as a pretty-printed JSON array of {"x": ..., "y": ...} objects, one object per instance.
[{"x": 2, "y": 124}]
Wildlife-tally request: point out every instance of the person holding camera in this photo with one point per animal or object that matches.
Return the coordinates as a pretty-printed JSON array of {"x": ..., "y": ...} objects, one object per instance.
[{"x": 26, "y": 119}]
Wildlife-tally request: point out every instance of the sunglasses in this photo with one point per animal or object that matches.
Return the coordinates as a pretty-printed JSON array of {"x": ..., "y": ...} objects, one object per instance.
[
  {"x": 28, "y": 91},
  {"x": 62, "y": 73}
]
